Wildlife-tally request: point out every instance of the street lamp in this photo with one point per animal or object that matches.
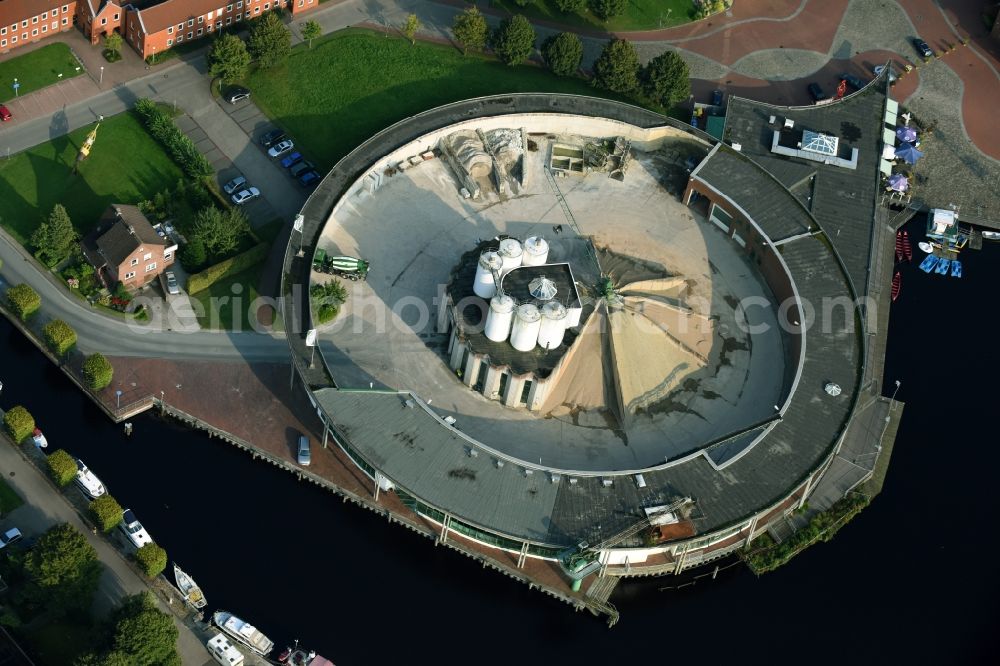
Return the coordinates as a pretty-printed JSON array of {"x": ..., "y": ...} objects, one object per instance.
[
  {"x": 118, "y": 398},
  {"x": 16, "y": 86},
  {"x": 102, "y": 76}
]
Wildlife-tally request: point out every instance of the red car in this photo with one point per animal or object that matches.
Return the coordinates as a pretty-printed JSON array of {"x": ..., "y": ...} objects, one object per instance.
[{"x": 4, "y": 113}]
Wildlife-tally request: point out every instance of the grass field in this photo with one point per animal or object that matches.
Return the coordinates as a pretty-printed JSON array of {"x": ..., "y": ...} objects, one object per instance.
[
  {"x": 9, "y": 499},
  {"x": 37, "y": 69},
  {"x": 369, "y": 81},
  {"x": 125, "y": 166},
  {"x": 639, "y": 14},
  {"x": 226, "y": 317}
]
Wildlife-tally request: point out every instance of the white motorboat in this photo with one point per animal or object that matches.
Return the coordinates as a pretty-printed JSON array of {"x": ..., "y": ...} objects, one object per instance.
[
  {"x": 39, "y": 439},
  {"x": 88, "y": 482},
  {"x": 192, "y": 593},
  {"x": 991, "y": 235},
  {"x": 243, "y": 632}
]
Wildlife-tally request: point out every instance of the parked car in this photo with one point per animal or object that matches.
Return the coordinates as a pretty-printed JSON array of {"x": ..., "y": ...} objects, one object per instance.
[
  {"x": 13, "y": 535},
  {"x": 816, "y": 92},
  {"x": 268, "y": 139},
  {"x": 309, "y": 178},
  {"x": 133, "y": 529},
  {"x": 245, "y": 195},
  {"x": 172, "y": 286},
  {"x": 716, "y": 98},
  {"x": 304, "y": 456},
  {"x": 5, "y": 113},
  {"x": 236, "y": 94},
  {"x": 301, "y": 168},
  {"x": 235, "y": 184},
  {"x": 853, "y": 81},
  {"x": 922, "y": 48},
  {"x": 280, "y": 148},
  {"x": 291, "y": 160}
]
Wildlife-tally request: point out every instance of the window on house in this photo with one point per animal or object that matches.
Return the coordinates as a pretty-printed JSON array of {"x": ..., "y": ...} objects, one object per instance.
[
  {"x": 180, "y": 38},
  {"x": 301, "y": 3},
  {"x": 3, "y": 42},
  {"x": 239, "y": 4},
  {"x": 55, "y": 11},
  {"x": 229, "y": 19},
  {"x": 104, "y": 21},
  {"x": 24, "y": 23},
  {"x": 190, "y": 35},
  {"x": 130, "y": 275},
  {"x": 167, "y": 256},
  {"x": 218, "y": 25},
  {"x": 190, "y": 22},
  {"x": 267, "y": 5},
  {"x": 151, "y": 267},
  {"x": 65, "y": 21},
  {"x": 135, "y": 262},
  {"x": 3, "y": 31},
  {"x": 34, "y": 33},
  {"x": 34, "y": 19},
  {"x": 180, "y": 26},
  {"x": 229, "y": 8},
  {"x": 117, "y": 16},
  {"x": 256, "y": 10},
  {"x": 239, "y": 16},
  {"x": 147, "y": 256},
  {"x": 13, "y": 39},
  {"x": 45, "y": 28},
  {"x": 65, "y": 8},
  {"x": 170, "y": 30},
  {"x": 45, "y": 15},
  {"x": 170, "y": 42},
  {"x": 201, "y": 19},
  {"x": 200, "y": 31}
]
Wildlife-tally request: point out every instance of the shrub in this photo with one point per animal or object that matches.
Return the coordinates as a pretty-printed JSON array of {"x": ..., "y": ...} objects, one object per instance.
[
  {"x": 162, "y": 128},
  {"x": 62, "y": 467},
  {"x": 563, "y": 53},
  {"x": 107, "y": 512},
  {"x": 151, "y": 558},
  {"x": 194, "y": 255},
  {"x": 231, "y": 266},
  {"x": 571, "y": 6},
  {"x": 59, "y": 336},
  {"x": 19, "y": 423},
  {"x": 23, "y": 300},
  {"x": 97, "y": 372},
  {"x": 607, "y": 9},
  {"x": 514, "y": 40},
  {"x": 617, "y": 68},
  {"x": 327, "y": 299}
]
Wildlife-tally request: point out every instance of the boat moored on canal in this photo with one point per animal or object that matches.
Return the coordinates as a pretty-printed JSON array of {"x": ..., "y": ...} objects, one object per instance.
[
  {"x": 88, "y": 482},
  {"x": 39, "y": 439},
  {"x": 243, "y": 632},
  {"x": 192, "y": 593}
]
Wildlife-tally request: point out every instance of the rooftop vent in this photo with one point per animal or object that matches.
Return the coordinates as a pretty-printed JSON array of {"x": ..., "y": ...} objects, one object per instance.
[
  {"x": 639, "y": 481},
  {"x": 542, "y": 288},
  {"x": 499, "y": 463},
  {"x": 573, "y": 481},
  {"x": 472, "y": 452},
  {"x": 737, "y": 146},
  {"x": 833, "y": 389},
  {"x": 606, "y": 482},
  {"x": 555, "y": 478},
  {"x": 789, "y": 123}
]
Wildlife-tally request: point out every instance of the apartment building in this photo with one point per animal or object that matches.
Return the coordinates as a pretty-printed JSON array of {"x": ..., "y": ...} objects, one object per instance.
[{"x": 26, "y": 21}]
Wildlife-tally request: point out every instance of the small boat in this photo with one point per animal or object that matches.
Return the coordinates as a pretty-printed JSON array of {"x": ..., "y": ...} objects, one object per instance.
[
  {"x": 956, "y": 268},
  {"x": 907, "y": 248},
  {"x": 925, "y": 247},
  {"x": 897, "y": 283},
  {"x": 299, "y": 657},
  {"x": 899, "y": 246},
  {"x": 39, "y": 439},
  {"x": 192, "y": 593},
  {"x": 243, "y": 632},
  {"x": 928, "y": 264},
  {"x": 942, "y": 266},
  {"x": 88, "y": 482},
  {"x": 991, "y": 235}
]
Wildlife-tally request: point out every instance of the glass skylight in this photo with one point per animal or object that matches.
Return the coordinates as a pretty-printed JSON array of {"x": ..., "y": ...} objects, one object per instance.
[{"x": 819, "y": 143}]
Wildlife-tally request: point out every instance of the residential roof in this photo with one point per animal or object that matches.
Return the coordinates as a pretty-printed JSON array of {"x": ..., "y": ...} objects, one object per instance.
[
  {"x": 172, "y": 12},
  {"x": 122, "y": 230},
  {"x": 17, "y": 10}
]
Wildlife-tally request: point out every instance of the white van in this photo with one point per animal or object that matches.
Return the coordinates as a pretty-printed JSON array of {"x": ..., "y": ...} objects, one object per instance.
[{"x": 224, "y": 651}]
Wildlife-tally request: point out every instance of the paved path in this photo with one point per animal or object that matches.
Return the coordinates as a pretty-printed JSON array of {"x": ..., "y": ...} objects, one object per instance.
[{"x": 44, "y": 507}]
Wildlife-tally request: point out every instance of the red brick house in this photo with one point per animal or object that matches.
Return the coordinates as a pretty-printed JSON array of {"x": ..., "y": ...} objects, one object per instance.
[
  {"x": 99, "y": 18},
  {"x": 26, "y": 21},
  {"x": 125, "y": 248}
]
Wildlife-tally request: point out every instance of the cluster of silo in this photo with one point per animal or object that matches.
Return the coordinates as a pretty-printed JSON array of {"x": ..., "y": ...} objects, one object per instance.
[{"x": 490, "y": 266}]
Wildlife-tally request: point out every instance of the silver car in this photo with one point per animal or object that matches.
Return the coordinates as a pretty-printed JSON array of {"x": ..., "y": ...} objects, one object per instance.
[
  {"x": 246, "y": 195},
  {"x": 235, "y": 184},
  {"x": 305, "y": 455},
  {"x": 172, "y": 286},
  {"x": 280, "y": 148}
]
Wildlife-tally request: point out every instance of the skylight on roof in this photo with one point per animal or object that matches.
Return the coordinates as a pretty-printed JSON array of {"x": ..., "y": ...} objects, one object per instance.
[{"x": 819, "y": 143}]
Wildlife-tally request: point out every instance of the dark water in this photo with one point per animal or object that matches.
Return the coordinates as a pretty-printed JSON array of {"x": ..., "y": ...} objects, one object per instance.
[{"x": 911, "y": 578}]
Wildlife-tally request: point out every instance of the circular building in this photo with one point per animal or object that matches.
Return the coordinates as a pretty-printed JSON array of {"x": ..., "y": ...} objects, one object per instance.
[{"x": 586, "y": 333}]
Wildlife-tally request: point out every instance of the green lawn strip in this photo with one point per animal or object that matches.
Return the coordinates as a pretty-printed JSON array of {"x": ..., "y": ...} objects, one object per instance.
[
  {"x": 639, "y": 14},
  {"x": 36, "y": 69},
  {"x": 370, "y": 81},
  {"x": 125, "y": 166},
  {"x": 9, "y": 499},
  {"x": 220, "y": 297}
]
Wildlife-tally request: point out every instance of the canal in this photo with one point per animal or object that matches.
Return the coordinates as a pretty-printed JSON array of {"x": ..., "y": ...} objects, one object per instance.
[{"x": 909, "y": 578}]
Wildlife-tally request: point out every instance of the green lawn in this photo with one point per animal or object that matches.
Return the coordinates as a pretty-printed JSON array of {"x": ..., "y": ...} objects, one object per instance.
[
  {"x": 9, "y": 499},
  {"x": 220, "y": 313},
  {"x": 125, "y": 166},
  {"x": 639, "y": 15},
  {"x": 369, "y": 81},
  {"x": 37, "y": 69}
]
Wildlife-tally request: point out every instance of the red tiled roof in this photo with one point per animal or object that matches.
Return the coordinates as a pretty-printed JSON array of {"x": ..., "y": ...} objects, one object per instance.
[
  {"x": 172, "y": 12},
  {"x": 18, "y": 10}
]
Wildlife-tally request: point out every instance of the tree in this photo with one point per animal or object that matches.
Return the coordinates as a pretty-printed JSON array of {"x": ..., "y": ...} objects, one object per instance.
[
  {"x": 59, "y": 336},
  {"x": 229, "y": 58},
  {"x": 571, "y": 6},
  {"x": 310, "y": 31},
  {"x": 141, "y": 635},
  {"x": 106, "y": 511},
  {"x": 97, "y": 371},
  {"x": 514, "y": 40},
  {"x": 194, "y": 255},
  {"x": 666, "y": 79},
  {"x": 470, "y": 30},
  {"x": 19, "y": 423},
  {"x": 563, "y": 53},
  {"x": 151, "y": 558},
  {"x": 62, "y": 468},
  {"x": 608, "y": 9},
  {"x": 411, "y": 26},
  {"x": 113, "y": 43},
  {"x": 54, "y": 238},
  {"x": 617, "y": 68},
  {"x": 220, "y": 231},
  {"x": 23, "y": 300},
  {"x": 61, "y": 572},
  {"x": 270, "y": 40}
]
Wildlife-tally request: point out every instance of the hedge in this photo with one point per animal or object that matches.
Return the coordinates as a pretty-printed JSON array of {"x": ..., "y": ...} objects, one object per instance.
[
  {"x": 20, "y": 423},
  {"x": 59, "y": 336},
  {"x": 97, "y": 372},
  {"x": 62, "y": 467},
  {"x": 23, "y": 300},
  {"x": 232, "y": 266},
  {"x": 161, "y": 126},
  {"x": 152, "y": 559},
  {"x": 106, "y": 511}
]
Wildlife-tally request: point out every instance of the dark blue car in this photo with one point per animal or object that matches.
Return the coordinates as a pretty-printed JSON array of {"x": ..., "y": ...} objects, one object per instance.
[
  {"x": 292, "y": 160},
  {"x": 309, "y": 178}
]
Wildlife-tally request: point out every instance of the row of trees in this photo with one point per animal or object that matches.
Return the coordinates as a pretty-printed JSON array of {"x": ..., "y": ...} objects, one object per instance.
[
  {"x": 161, "y": 126},
  {"x": 664, "y": 80},
  {"x": 269, "y": 44},
  {"x": 603, "y": 9}
]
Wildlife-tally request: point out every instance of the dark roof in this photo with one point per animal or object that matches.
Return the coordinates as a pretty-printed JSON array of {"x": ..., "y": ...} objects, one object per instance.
[
  {"x": 516, "y": 283},
  {"x": 121, "y": 231}
]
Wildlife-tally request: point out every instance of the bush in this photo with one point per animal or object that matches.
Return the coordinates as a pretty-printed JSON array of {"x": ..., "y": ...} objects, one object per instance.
[
  {"x": 326, "y": 300},
  {"x": 470, "y": 29},
  {"x": 617, "y": 68},
  {"x": 514, "y": 40},
  {"x": 194, "y": 255},
  {"x": 563, "y": 53},
  {"x": 97, "y": 372},
  {"x": 666, "y": 79},
  {"x": 106, "y": 512},
  {"x": 571, "y": 6},
  {"x": 62, "y": 468},
  {"x": 19, "y": 423},
  {"x": 59, "y": 336},
  {"x": 23, "y": 300},
  {"x": 212, "y": 274},
  {"x": 162, "y": 128},
  {"x": 607, "y": 9},
  {"x": 151, "y": 558}
]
